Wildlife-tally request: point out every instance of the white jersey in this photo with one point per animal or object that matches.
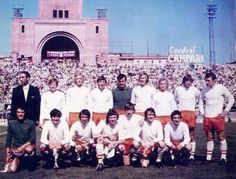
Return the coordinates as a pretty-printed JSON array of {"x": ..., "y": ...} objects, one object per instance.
[
  {"x": 186, "y": 98},
  {"x": 104, "y": 128},
  {"x": 129, "y": 126},
  {"x": 77, "y": 99},
  {"x": 100, "y": 101},
  {"x": 52, "y": 134},
  {"x": 163, "y": 103},
  {"x": 50, "y": 101},
  {"x": 85, "y": 132},
  {"x": 150, "y": 133},
  {"x": 214, "y": 100},
  {"x": 142, "y": 96},
  {"x": 177, "y": 133}
]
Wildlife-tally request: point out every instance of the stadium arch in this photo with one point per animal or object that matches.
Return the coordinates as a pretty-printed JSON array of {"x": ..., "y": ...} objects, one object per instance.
[{"x": 52, "y": 38}]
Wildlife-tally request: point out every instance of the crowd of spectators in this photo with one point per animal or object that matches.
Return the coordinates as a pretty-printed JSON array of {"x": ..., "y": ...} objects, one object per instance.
[{"x": 64, "y": 70}]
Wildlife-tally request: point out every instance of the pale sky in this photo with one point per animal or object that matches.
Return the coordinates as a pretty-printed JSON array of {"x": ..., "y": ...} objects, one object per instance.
[{"x": 159, "y": 23}]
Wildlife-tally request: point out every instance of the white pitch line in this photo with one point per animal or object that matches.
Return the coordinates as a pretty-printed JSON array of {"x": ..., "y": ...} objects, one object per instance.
[{"x": 3, "y": 133}]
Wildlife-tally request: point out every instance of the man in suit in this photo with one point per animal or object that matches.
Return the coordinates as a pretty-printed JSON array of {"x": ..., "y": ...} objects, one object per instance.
[{"x": 27, "y": 96}]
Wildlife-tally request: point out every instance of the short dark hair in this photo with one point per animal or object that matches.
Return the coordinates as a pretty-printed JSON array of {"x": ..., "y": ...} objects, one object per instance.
[
  {"x": 101, "y": 78},
  {"x": 210, "y": 74},
  {"x": 53, "y": 80},
  {"x": 149, "y": 110},
  {"x": 27, "y": 74},
  {"x": 111, "y": 112},
  {"x": 128, "y": 106},
  {"x": 84, "y": 112},
  {"x": 175, "y": 112},
  {"x": 55, "y": 113},
  {"x": 121, "y": 76},
  {"x": 187, "y": 78}
]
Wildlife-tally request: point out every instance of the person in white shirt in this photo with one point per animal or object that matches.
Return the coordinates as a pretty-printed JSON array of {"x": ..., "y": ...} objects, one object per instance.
[
  {"x": 150, "y": 138},
  {"x": 187, "y": 97},
  {"x": 163, "y": 102},
  {"x": 107, "y": 136},
  {"x": 142, "y": 94},
  {"x": 50, "y": 100},
  {"x": 177, "y": 139},
  {"x": 76, "y": 99},
  {"x": 54, "y": 139},
  {"x": 81, "y": 138},
  {"x": 129, "y": 123},
  {"x": 214, "y": 113},
  {"x": 100, "y": 100}
]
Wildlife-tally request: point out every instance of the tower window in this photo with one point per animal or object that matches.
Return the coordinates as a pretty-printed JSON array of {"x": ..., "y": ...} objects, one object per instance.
[
  {"x": 60, "y": 14},
  {"x": 97, "y": 29},
  {"x": 66, "y": 14},
  {"x": 54, "y": 13},
  {"x": 23, "y": 28}
]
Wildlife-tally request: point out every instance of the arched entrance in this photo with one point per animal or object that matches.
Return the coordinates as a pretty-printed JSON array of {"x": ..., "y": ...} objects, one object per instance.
[{"x": 59, "y": 45}]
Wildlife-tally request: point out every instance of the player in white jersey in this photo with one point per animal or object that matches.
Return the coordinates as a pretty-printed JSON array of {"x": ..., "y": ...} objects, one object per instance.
[
  {"x": 129, "y": 123},
  {"x": 81, "y": 138},
  {"x": 50, "y": 100},
  {"x": 150, "y": 138},
  {"x": 177, "y": 139},
  {"x": 142, "y": 94},
  {"x": 100, "y": 100},
  {"x": 55, "y": 139},
  {"x": 163, "y": 102},
  {"x": 76, "y": 99},
  {"x": 107, "y": 136},
  {"x": 187, "y": 97},
  {"x": 214, "y": 113}
]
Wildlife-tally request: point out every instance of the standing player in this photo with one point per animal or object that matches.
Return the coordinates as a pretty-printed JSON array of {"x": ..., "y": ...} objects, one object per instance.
[
  {"x": 121, "y": 94},
  {"x": 27, "y": 96},
  {"x": 129, "y": 123},
  {"x": 142, "y": 94},
  {"x": 214, "y": 113},
  {"x": 163, "y": 102},
  {"x": 100, "y": 100},
  {"x": 177, "y": 139},
  {"x": 50, "y": 100},
  {"x": 150, "y": 137},
  {"x": 187, "y": 97},
  {"x": 107, "y": 136},
  {"x": 76, "y": 99},
  {"x": 54, "y": 139}
]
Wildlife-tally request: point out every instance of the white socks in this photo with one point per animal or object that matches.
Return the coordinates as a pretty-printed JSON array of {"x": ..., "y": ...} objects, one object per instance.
[
  {"x": 210, "y": 147},
  {"x": 192, "y": 153},
  {"x": 223, "y": 149}
]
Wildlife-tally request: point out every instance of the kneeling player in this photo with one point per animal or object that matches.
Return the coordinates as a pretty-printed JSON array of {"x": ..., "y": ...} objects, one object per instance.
[
  {"x": 81, "y": 137},
  {"x": 20, "y": 142},
  {"x": 107, "y": 135},
  {"x": 177, "y": 139},
  {"x": 150, "y": 137},
  {"x": 55, "y": 140},
  {"x": 129, "y": 122}
]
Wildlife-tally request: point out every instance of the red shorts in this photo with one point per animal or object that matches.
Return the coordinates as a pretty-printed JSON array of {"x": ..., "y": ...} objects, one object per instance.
[
  {"x": 163, "y": 119},
  {"x": 214, "y": 124},
  {"x": 189, "y": 118},
  {"x": 97, "y": 117},
  {"x": 176, "y": 142},
  {"x": 146, "y": 151},
  {"x": 73, "y": 117},
  {"x": 127, "y": 143}
]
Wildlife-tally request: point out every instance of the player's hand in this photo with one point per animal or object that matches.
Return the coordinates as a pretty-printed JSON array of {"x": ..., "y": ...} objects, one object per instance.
[
  {"x": 179, "y": 147},
  {"x": 173, "y": 147},
  {"x": 224, "y": 113},
  {"x": 112, "y": 137}
]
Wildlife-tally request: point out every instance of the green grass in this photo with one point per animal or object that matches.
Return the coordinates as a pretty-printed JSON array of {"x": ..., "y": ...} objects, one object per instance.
[{"x": 198, "y": 170}]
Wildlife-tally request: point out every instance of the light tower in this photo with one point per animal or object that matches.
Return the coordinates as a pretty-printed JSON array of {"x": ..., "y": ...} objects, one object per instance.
[
  {"x": 18, "y": 11},
  {"x": 211, "y": 12}
]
